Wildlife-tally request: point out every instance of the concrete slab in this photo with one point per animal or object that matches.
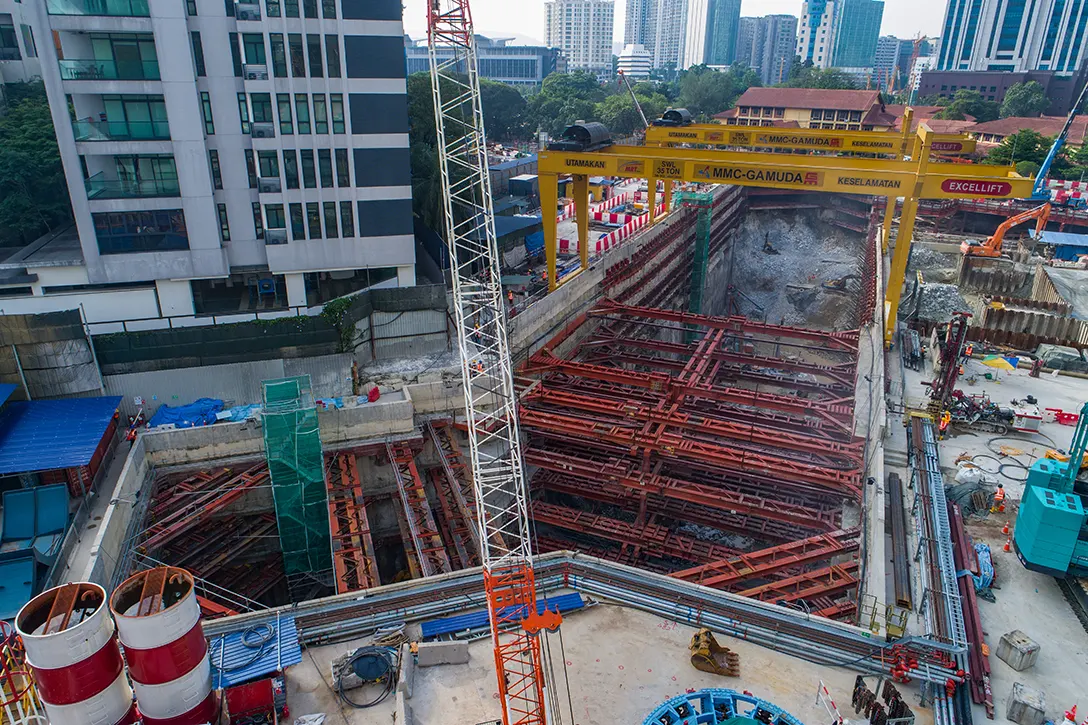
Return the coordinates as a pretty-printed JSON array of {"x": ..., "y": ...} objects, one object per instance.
[
  {"x": 431, "y": 654},
  {"x": 621, "y": 663}
]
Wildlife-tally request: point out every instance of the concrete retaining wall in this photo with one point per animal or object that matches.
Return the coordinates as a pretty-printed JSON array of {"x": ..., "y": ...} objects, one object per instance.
[{"x": 108, "y": 546}]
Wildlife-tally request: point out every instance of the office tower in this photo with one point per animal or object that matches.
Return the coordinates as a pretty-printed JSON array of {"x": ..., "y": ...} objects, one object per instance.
[
  {"x": 886, "y": 64},
  {"x": 1014, "y": 35},
  {"x": 712, "y": 32},
  {"x": 670, "y": 33},
  {"x": 638, "y": 27},
  {"x": 582, "y": 29},
  {"x": 224, "y": 157},
  {"x": 767, "y": 45},
  {"x": 816, "y": 32},
  {"x": 857, "y": 27},
  {"x": 635, "y": 62}
]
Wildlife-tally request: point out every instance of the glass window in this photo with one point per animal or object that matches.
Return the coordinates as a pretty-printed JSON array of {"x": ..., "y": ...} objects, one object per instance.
[
  {"x": 290, "y": 8},
  {"x": 324, "y": 163},
  {"x": 253, "y": 45},
  {"x": 217, "y": 173},
  {"x": 228, "y": 6},
  {"x": 336, "y": 102},
  {"x": 283, "y": 105},
  {"x": 258, "y": 223},
  {"x": 332, "y": 55},
  {"x": 313, "y": 48},
  {"x": 269, "y": 164},
  {"x": 347, "y": 219},
  {"x": 321, "y": 116},
  {"x": 313, "y": 219},
  {"x": 298, "y": 224},
  {"x": 141, "y": 231},
  {"x": 262, "y": 107},
  {"x": 343, "y": 169},
  {"x": 235, "y": 54},
  {"x": 274, "y": 217},
  {"x": 198, "y": 53},
  {"x": 329, "y": 208},
  {"x": 298, "y": 55},
  {"x": 309, "y": 8},
  {"x": 309, "y": 178},
  {"x": 243, "y": 112},
  {"x": 302, "y": 113},
  {"x": 224, "y": 225},
  {"x": 206, "y": 107},
  {"x": 190, "y": 7},
  {"x": 272, "y": 8},
  {"x": 251, "y": 168},
  {"x": 290, "y": 168},
  {"x": 328, "y": 9},
  {"x": 279, "y": 56}
]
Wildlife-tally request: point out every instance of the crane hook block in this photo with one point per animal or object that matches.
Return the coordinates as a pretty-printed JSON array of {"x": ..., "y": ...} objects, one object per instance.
[{"x": 548, "y": 619}]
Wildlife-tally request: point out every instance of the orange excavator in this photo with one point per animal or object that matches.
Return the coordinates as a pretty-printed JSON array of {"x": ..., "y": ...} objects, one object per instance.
[{"x": 992, "y": 246}]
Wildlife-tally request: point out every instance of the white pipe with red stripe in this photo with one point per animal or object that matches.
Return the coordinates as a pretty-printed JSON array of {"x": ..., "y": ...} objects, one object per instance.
[
  {"x": 158, "y": 620},
  {"x": 71, "y": 644}
]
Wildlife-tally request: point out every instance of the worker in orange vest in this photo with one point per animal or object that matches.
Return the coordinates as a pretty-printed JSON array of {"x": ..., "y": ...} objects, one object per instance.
[
  {"x": 942, "y": 426},
  {"x": 510, "y": 296},
  {"x": 999, "y": 500}
]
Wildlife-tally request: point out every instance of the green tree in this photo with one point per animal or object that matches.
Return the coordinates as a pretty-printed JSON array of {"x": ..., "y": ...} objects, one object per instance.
[
  {"x": 969, "y": 103},
  {"x": 618, "y": 112},
  {"x": 1028, "y": 168},
  {"x": 33, "y": 193},
  {"x": 504, "y": 111},
  {"x": 705, "y": 92},
  {"x": 1026, "y": 100},
  {"x": 563, "y": 99},
  {"x": 805, "y": 75},
  {"x": 1031, "y": 146}
]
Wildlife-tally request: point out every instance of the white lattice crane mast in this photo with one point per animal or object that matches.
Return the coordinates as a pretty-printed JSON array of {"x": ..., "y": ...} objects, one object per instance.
[{"x": 486, "y": 369}]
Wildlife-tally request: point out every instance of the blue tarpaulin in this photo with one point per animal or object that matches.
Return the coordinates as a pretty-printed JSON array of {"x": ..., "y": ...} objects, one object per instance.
[
  {"x": 197, "y": 413},
  {"x": 254, "y": 651},
  {"x": 477, "y": 620},
  {"x": 43, "y": 435},
  {"x": 534, "y": 243},
  {"x": 6, "y": 389}
]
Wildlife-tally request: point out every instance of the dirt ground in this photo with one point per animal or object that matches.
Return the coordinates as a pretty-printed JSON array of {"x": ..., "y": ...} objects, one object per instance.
[{"x": 787, "y": 287}]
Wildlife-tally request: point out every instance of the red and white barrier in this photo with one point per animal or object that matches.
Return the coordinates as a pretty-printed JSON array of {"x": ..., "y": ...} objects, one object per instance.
[
  {"x": 71, "y": 644},
  {"x": 158, "y": 620},
  {"x": 614, "y": 238}
]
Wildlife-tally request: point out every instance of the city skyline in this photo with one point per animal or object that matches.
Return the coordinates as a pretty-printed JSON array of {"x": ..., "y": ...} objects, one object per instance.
[{"x": 902, "y": 18}]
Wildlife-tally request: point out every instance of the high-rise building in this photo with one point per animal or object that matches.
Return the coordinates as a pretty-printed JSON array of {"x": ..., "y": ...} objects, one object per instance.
[
  {"x": 712, "y": 32},
  {"x": 670, "y": 33},
  {"x": 220, "y": 158},
  {"x": 18, "y": 46},
  {"x": 816, "y": 32},
  {"x": 1014, "y": 35},
  {"x": 635, "y": 61},
  {"x": 525, "y": 66},
  {"x": 582, "y": 29},
  {"x": 767, "y": 45},
  {"x": 638, "y": 27},
  {"x": 886, "y": 64},
  {"x": 857, "y": 27}
]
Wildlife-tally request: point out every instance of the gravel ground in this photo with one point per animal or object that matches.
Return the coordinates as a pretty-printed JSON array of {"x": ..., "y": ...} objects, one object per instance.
[
  {"x": 939, "y": 301},
  {"x": 788, "y": 285}
]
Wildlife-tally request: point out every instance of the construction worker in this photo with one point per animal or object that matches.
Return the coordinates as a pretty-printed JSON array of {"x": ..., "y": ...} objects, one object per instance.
[
  {"x": 476, "y": 333},
  {"x": 999, "y": 500},
  {"x": 544, "y": 276},
  {"x": 510, "y": 296},
  {"x": 942, "y": 426},
  {"x": 1036, "y": 367}
]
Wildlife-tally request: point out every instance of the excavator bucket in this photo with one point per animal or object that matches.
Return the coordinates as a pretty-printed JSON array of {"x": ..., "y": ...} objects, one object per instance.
[{"x": 709, "y": 656}]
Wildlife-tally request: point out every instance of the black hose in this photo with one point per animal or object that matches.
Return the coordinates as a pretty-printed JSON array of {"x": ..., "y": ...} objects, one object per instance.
[
  {"x": 392, "y": 660},
  {"x": 255, "y": 638},
  {"x": 1018, "y": 466}
]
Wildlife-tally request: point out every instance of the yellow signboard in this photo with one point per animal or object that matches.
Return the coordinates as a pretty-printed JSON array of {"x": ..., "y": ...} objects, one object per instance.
[{"x": 834, "y": 141}]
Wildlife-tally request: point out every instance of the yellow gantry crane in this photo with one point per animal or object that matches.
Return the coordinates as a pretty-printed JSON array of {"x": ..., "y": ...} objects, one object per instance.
[{"x": 911, "y": 176}]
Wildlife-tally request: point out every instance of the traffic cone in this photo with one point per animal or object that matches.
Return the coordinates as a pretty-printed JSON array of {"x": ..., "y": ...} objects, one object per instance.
[
  {"x": 1007, "y": 546},
  {"x": 1005, "y": 530}
]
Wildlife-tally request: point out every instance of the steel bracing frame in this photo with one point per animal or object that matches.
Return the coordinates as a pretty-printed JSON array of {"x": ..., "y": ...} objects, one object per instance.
[
  {"x": 486, "y": 368},
  {"x": 355, "y": 563},
  {"x": 423, "y": 532}
]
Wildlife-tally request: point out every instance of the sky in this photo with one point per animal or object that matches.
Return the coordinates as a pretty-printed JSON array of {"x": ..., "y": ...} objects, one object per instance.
[{"x": 524, "y": 19}]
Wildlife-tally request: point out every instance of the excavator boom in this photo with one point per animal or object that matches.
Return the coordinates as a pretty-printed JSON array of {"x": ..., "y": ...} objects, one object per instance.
[{"x": 992, "y": 246}]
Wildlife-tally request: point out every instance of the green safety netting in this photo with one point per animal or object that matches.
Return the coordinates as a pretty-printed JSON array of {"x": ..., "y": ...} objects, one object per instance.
[{"x": 292, "y": 444}]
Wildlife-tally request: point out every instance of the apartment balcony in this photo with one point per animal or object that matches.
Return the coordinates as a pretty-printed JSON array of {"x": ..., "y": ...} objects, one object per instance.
[
  {"x": 121, "y": 130},
  {"x": 106, "y": 8},
  {"x": 270, "y": 185},
  {"x": 275, "y": 236},
  {"x": 99, "y": 187},
  {"x": 247, "y": 11},
  {"x": 10, "y": 54},
  {"x": 108, "y": 70},
  {"x": 254, "y": 72}
]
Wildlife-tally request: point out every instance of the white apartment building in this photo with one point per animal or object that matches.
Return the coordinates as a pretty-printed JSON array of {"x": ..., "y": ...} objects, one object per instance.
[
  {"x": 18, "y": 46},
  {"x": 221, "y": 157},
  {"x": 582, "y": 29},
  {"x": 816, "y": 32},
  {"x": 670, "y": 33},
  {"x": 635, "y": 61}
]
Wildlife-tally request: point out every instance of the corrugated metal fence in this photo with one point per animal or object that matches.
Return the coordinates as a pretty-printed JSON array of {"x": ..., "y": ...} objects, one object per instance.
[{"x": 234, "y": 383}]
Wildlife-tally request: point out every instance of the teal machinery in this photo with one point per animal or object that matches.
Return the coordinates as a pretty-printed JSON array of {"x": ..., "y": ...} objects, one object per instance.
[{"x": 1051, "y": 528}]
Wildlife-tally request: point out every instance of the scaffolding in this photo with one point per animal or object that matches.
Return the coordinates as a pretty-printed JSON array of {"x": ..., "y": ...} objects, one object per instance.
[
  {"x": 703, "y": 203},
  {"x": 292, "y": 444}
]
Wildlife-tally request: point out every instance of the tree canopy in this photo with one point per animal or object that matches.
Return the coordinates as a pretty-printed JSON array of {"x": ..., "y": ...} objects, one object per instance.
[
  {"x": 33, "y": 193},
  {"x": 806, "y": 75},
  {"x": 968, "y": 103},
  {"x": 1025, "y": 100},
  {"x": 706, "y": 92}
]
